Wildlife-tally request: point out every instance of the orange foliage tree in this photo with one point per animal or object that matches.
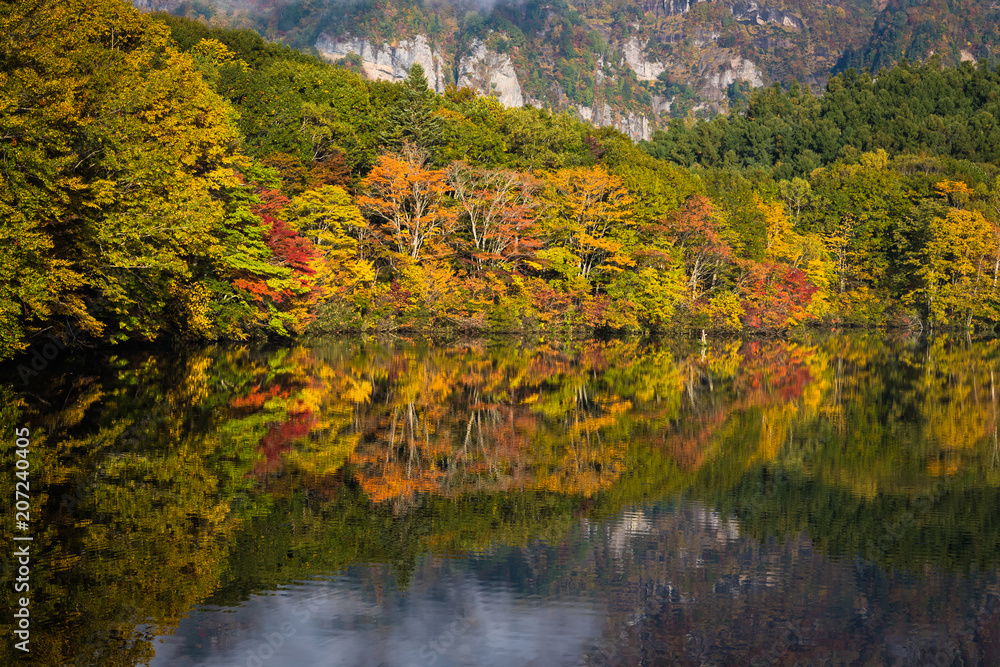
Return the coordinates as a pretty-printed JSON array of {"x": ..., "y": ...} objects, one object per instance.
[
  {"x": 409, "y": 201},
  {"x": 497, "y": 210},
  {"x": 696, "y": 232}
]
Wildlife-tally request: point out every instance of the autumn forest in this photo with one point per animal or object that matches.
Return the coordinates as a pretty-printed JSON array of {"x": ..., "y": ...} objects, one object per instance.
[
  {"x": 223, "y": 227},
  {"x": 163, "y": 180}
]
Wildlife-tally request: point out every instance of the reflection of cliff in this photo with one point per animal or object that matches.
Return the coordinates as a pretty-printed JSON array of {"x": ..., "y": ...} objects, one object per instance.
[
  {"x": 449, "y": 618},
  {"x": 688, "y": 594},
  {"x": 666, "y": 583}
]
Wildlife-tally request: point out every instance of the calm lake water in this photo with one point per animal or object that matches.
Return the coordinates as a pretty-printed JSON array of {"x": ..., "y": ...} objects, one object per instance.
[{"x": 832, "y": 501}]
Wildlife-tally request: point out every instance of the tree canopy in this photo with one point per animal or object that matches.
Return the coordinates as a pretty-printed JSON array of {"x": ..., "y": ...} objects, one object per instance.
[{"x": 163, "y": 179}]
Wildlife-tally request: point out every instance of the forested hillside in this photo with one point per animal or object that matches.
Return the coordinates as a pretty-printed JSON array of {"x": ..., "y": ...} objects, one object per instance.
[
  {"x": 160, "y": 179},
  {"x": 628, "y": 64},
  {"x": 918, "y": 109},
  {"x": 955, "y": 30}
]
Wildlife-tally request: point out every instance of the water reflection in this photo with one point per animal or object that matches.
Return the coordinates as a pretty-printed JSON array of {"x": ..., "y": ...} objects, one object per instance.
[
  {"x": 670, "y": 584},
  {"x": 445, "y": 617},
  {"x": 582, "y": 503}
]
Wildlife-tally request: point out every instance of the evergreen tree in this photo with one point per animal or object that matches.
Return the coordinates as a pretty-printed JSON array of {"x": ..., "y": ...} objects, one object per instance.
[{"x": 412, "y": 119}]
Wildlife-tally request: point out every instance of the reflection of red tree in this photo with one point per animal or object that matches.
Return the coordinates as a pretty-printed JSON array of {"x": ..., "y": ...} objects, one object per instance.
[
  {"x": 324, "y": 486},
  {"x": 690, "y": 447},
  {"x": 257, "y": 397},
  {"x": 319, "y": 487},
  {"x": 279, "y": 439},
  {"x": 773, "y": 371}
]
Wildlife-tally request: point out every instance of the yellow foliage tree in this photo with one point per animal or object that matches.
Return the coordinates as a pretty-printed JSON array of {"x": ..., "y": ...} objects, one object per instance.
[
  {"x": 113, "y": 157},
  {"x": 781, "y": 240},
  {"x": 586, "y": 214},
  {"x": 958, "y": 272},
  {"x": 328, "y": 217}
]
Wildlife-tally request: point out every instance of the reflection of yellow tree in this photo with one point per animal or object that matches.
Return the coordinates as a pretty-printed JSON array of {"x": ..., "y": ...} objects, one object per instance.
[
  {"x": 136, "y": 512},
  {"x": 454, "y": 421},
  {"x": 958, "y": 397},
  {"x": 942, "y": 418}
]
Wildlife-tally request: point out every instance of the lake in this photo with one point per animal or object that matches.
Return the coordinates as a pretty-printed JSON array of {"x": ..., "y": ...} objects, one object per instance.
[{"x": 833, "y": 500}]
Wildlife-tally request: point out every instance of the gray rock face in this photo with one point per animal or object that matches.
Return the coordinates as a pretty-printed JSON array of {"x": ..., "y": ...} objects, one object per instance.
[
  {"x": 748, "y": 11},
  {"x": 385, "y": 62},
  {"x": 735, "y": 69},
  {"x": 156, "y": 5},
  {"x": 230, "y": 8},
  {"x": 490, "y": 73},
  {"x": 661, "y": 105},
  {"x": 634, "y": 125},
  {"x": 633, "y": 56},
  {"x": 668, "y": 7}
]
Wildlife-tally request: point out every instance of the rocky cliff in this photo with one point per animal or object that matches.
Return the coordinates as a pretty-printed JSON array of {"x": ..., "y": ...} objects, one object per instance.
[
  {"x": 388, "y": 62},
  {"x": 490, "y": 73},
  {"x": 629, "y": 64}
]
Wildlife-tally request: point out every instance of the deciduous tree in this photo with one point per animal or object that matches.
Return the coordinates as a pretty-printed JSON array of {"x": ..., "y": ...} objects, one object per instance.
[{"x": 408, "y": 200}]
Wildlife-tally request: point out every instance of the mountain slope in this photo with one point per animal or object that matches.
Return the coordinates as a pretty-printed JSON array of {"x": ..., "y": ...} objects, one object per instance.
[{"x": 629, "y": 64}]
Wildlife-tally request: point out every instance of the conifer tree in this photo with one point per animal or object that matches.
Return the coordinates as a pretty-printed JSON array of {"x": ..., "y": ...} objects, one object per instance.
[{"x": 412, "y": 119}]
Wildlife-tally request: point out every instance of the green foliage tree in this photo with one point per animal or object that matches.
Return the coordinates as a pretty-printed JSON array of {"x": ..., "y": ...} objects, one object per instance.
[{"x": 412, "y": 118}]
